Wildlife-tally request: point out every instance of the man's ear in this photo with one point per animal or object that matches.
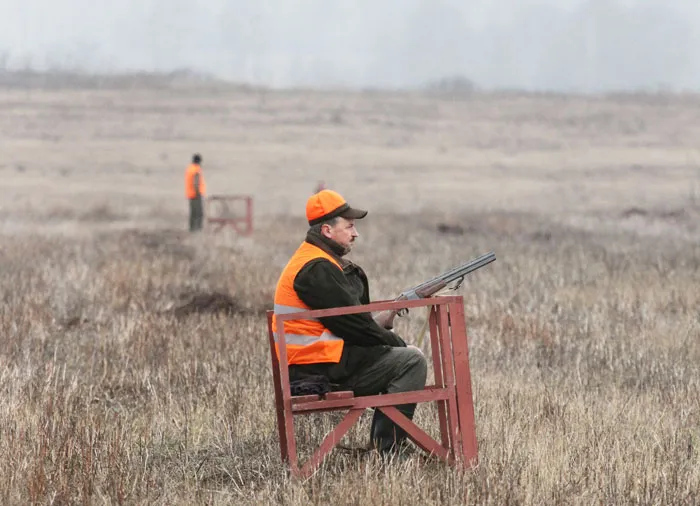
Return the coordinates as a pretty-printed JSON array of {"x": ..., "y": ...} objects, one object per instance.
[{"x": 326, "y": 230}]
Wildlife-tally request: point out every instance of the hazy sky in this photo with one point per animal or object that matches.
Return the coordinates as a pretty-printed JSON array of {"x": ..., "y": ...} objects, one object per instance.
[{"x": 583, "y": 45}]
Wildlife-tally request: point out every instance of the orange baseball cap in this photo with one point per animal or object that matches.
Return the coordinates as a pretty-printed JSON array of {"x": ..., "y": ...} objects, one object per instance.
[{"x": 328, "y": 204}]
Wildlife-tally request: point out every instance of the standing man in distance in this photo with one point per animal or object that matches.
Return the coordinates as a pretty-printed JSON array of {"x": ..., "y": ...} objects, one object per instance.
[
  {"x": 353, "y": 351},
  {"x": 195, "y": 189}
]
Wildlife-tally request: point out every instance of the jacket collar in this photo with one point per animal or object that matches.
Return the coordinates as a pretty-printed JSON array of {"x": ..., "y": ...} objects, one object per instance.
[{"x": 329, "y": 246}]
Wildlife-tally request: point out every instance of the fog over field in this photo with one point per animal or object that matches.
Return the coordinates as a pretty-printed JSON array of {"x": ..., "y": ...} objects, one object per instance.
[
  {"x": 134, "y": 359},
  {"x": 563, "y": 45}
]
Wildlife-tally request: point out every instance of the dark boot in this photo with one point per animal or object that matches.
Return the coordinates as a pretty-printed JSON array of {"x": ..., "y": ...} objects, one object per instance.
[{"x": 385, "y": 435}]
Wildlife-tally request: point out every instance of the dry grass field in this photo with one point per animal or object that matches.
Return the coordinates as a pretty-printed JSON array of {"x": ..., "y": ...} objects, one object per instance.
[{"x": 584, "y": 335}]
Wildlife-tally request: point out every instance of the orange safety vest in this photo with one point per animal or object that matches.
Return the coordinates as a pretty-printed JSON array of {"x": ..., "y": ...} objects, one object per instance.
[
  {"x": 190, "y": 190},
  {"x": 308, "y": 341}
]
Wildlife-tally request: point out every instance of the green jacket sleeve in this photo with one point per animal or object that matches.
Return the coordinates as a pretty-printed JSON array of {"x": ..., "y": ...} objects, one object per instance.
[{"x": 321, "y": 285}]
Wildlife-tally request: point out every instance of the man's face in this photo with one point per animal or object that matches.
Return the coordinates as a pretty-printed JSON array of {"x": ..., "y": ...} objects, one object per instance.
[{"x": 343, "y": 232}]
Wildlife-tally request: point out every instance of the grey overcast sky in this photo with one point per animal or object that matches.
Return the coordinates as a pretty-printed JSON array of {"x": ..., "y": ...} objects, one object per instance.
[{"x": 565, "y": 45}]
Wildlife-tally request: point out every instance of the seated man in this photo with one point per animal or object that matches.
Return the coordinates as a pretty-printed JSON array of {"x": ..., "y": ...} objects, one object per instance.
[{"x": 353, "y": 351}]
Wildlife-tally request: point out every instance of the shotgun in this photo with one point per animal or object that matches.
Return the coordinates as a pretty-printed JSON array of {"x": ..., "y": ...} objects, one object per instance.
[{"x": 433, "y": 286}]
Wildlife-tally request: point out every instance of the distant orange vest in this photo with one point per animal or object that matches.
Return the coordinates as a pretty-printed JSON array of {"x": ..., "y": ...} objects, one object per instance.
[
  {"x": 308, "y": 341},
  {"x": 190, "y": 190}
]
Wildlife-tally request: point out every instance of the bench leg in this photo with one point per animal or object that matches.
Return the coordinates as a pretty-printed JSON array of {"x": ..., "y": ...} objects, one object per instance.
[
  {"x": 465, "y": 400},
  {"x": 415, "y": 433},
  {"x": 290, "y": 439},
  {"x": 448, "y": 372},
  {"x": 331, "y": 440},
  {"x": 439, "y": 380},
  {"x": 284, "y": 449}
]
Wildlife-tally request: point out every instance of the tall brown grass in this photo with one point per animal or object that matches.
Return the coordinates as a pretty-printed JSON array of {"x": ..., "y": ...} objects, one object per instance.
[{"x": 584, "y": 355}]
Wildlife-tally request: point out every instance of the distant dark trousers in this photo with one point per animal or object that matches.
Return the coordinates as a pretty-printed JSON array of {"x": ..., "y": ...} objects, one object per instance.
[{"x": 196, "y": 214}]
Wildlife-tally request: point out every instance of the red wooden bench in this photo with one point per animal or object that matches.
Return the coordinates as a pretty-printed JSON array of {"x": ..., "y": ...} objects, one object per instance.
[{"x": 452, "y": 389}]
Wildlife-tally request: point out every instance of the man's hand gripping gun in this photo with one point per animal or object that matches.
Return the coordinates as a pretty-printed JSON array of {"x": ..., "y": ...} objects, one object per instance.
[{"x": 434, "y": 286}]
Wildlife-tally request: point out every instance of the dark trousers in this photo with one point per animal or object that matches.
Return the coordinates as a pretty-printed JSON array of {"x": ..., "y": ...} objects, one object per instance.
[
  {"x": 398, "y": 370},
  {"x": 368, "y": 371},
  {"x": 372, "y": 371},
  {"x": 196, "y": 214}
]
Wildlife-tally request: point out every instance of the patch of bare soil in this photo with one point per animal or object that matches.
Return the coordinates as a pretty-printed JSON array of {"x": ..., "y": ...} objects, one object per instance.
[
  {"x": 450, "y": 228},
  {"x": 73, "y": 321},
  {"x": 633, "y": 211},
  {"x": 507, "y": 224},
  {"x": 678, "y": 214},
  {"x": 213, "y": 303}
]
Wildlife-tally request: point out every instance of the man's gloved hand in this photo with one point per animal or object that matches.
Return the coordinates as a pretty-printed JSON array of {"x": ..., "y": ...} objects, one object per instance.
[{"x": 385, "y": 319}]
